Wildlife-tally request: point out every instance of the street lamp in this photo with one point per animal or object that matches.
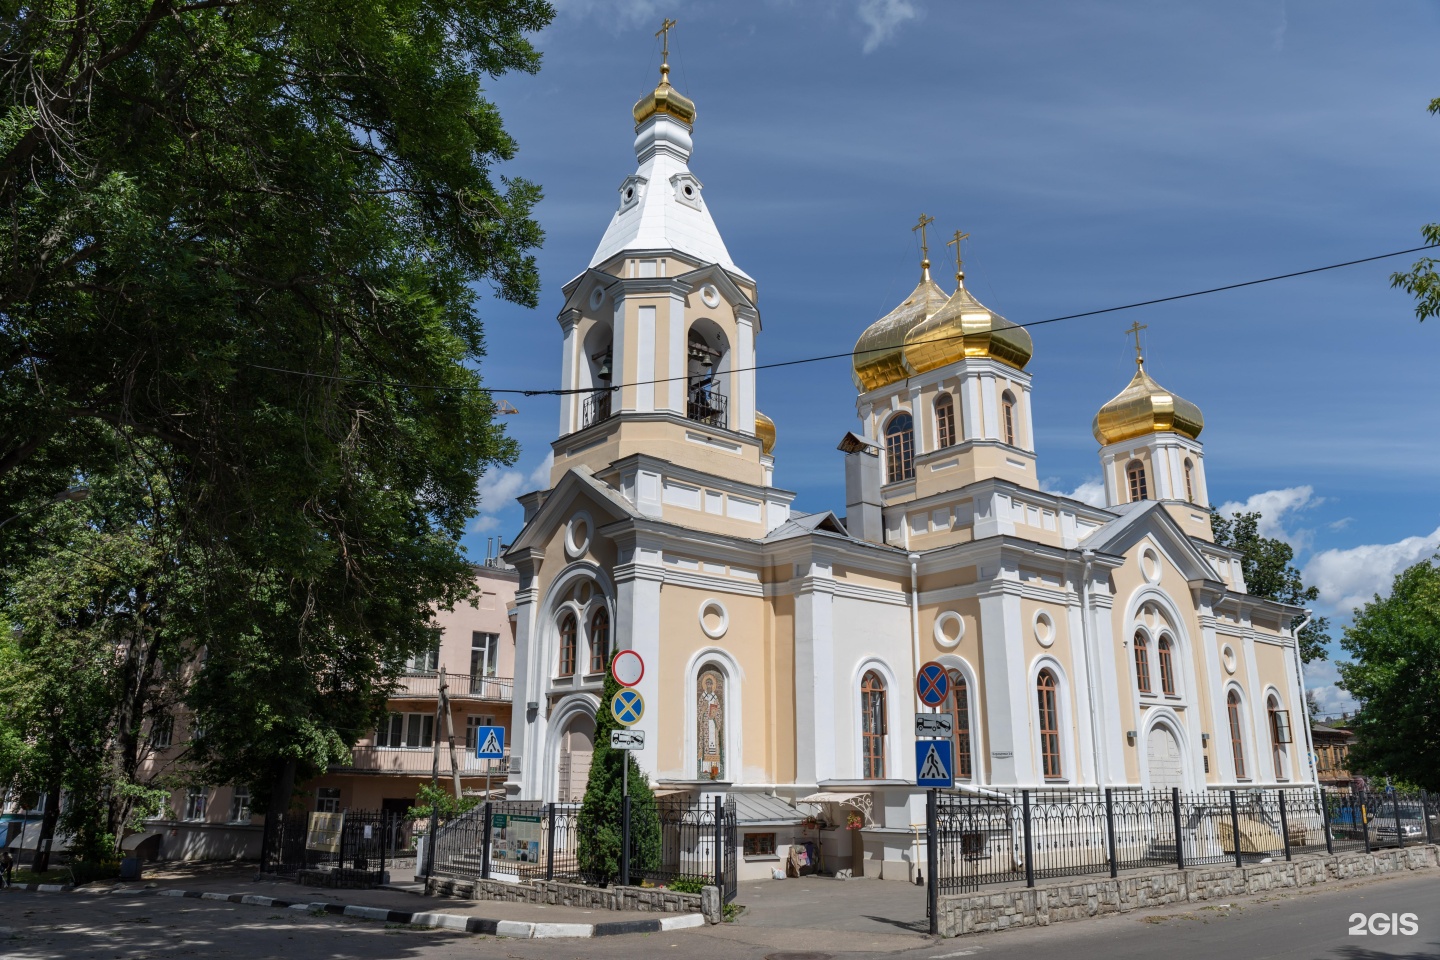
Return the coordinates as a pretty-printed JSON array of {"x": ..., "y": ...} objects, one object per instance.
[{"x": 69, "y": 493}]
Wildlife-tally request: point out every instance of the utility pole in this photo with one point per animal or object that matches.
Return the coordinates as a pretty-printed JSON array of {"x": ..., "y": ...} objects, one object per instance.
[{"x": 450, "y": 732}]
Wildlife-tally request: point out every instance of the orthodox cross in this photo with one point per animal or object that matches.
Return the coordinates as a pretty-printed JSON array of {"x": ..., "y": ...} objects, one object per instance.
[
  {"x": 924, "y": 246},
  {"x": 1135, "y": 329},
  {"x": 959, "y": 263},
  {"x": 664, "y": 33}
]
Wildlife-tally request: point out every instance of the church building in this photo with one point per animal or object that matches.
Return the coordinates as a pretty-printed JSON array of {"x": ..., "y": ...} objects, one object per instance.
[{"x": 1086, "y": 646}]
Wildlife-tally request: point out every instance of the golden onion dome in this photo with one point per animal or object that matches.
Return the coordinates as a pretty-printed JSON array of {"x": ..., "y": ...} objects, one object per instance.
[
  {"x": 879, "y": 356},
  {"x": 963, "y": 328},
  {"x": 765, "y": 431},
  {"x": 667, "y": 100},
  {"x": 1146, "y": 407}
]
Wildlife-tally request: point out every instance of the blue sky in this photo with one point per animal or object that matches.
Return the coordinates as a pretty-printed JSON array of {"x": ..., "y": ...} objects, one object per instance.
[{"x": 1098, "y": 154}]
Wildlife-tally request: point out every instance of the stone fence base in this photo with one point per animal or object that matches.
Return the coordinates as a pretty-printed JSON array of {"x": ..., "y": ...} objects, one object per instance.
[
  {"x": 1078, "y": 898},
  {"x": 643, "y": 899}
]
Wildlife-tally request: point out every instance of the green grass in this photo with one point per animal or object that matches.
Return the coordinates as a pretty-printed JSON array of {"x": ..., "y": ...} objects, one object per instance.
[{"x": 80, "y": 872}]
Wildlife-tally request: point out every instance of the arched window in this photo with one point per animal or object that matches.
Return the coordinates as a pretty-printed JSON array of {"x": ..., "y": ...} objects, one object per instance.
[
  {"x": 1167, "y": 666},
  {"x": 960, "y": 712},
  {"x": 710, "y": 724},
  {"x": 944, "y": 421},
  {"x": 873, "y": 728},
  {"x": 1047, "y": 695},
  {"x": 1142, "y": 663},
  {"x": 1189, "y": 480},
  {"x": 600, "y": 640},
  {"x": 1279, "y": 734},
  {"x": 567, "y": 645},
  {"x": 1135, "y": 471},
  {"x": 1237, "y": 744},
  {"x": 900, "y": 448},
  {"x": 1007, "y": 411}
]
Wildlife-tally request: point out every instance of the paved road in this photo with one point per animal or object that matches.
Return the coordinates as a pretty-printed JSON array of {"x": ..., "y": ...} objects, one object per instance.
[{"x": 1309, "y": 926}]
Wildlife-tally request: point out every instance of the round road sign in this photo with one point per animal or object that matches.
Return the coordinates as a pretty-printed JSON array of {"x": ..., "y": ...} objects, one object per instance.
[
  {"x": 933, "y": 684},
  {"x": 627, "y": 668},
  {"x": 628, "y": 707}
]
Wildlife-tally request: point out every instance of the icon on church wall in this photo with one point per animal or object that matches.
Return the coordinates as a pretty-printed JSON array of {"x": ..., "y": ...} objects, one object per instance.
[{"x": 710, "y": 719}]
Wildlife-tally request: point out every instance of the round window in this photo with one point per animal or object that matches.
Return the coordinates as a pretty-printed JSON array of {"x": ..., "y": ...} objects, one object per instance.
[
  {"x": 689, "y": 191},
  {"x": 1227, "y": 655},
  {"x": 577, "y": 536},
  {"x": 714, "y": 619},
  {"x": 629, "y": 194},
  {"x": 710, "y": 295},
  {"x": 1044, "y": 628},
  {"x": 1150, "y": 565},
  {"x": 949, "y": 628}
]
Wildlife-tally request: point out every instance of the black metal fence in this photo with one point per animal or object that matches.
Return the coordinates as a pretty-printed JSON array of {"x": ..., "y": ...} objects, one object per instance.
[
  {"x": 1027, "y": 835},
  {"x": 528, "y": 840},
  {"x": 361, "y": 844}
]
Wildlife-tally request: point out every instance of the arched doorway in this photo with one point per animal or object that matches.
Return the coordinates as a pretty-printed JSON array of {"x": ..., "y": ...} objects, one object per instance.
[
  {"x": 577, "y": 744},
  {"x": 1162, "y": 751}
]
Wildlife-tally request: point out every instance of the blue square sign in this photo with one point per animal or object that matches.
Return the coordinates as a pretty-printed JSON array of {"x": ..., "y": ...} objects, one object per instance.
[
  {"x": 489, "y": 743},
  {"x": 934, "y": 766}
]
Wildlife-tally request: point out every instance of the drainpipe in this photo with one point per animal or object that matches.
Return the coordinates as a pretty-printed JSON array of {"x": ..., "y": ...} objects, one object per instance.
[
  {"x": 915, "y": 620},
  {"x": 1304, "y": 701},
  {"x": 1088, "y": 557}
]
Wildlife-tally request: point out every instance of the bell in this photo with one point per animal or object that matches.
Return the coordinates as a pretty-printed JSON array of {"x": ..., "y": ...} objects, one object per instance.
[{"x": 604, "y": 372}]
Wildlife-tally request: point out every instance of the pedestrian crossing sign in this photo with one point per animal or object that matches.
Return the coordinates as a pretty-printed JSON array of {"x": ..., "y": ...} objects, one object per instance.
[
  {"x": 489, "y": 743},
  {"x": 934, "y": 765}
]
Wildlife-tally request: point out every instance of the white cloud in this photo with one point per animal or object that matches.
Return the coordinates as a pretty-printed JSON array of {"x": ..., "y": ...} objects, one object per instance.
[
  {"x": 499, "y": 489},
  {"x": 1322, "y": 679},
  {"x": 1273, "y": 505},
  {"x": 1091, "y": 491},
  {"x": 1348, "y": 578},
  {"x": 882, "y": 18}
]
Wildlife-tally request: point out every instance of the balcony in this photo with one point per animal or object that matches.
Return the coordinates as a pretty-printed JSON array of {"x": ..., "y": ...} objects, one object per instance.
[
  {"x": 596, "y": 407},
  {"x": 459, "y": 686},
  {"x": 707, "y": 408},
  {"x": 418, "y": 761}
]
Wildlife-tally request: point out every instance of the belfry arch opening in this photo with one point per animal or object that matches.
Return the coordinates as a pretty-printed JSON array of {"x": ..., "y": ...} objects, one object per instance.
[{"x": 707, "y": 358}]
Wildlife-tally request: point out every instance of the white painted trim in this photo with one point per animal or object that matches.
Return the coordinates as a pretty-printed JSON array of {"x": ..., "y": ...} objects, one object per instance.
[
  {"x": 575, "y": 704},
  {"x": 1287, "y": 755},
  {"x": 1247, "y": 737},
  {"x": 734, "y": 735},
  {"x": 1164, "y": 715},
  {"x": 896, "y": 766},
  {"x": 957, "y": 662},
  {"x": 1070, "y": 772}
]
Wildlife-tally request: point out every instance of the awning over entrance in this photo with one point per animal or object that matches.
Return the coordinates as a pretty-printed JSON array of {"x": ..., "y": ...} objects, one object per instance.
[{"x": 856, "y": 801}]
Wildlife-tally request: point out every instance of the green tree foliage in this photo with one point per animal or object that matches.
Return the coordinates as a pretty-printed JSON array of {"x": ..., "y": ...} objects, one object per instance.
[
  {"x": 201, "y": 196},
  {"x": 598, "y": 849},
  {"x": 439, "y": 800},
  {"x": 1395, "y": 675},
  {"x": 1269, "y": 573},
  {"x": 1422, "y": 282}
]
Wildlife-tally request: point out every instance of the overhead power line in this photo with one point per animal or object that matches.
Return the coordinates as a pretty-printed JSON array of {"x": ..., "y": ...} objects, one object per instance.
[{"x": 849, "y": 353}]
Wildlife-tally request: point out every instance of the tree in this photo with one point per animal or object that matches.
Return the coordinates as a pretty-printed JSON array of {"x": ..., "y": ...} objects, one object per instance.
[
  {"x": 1422, "y": 282},
  {"x": 598, "y": 849},
  {"x": 1268, "y": 572},
  {"x": 1395, "y": 674},
  {"x": 241, "y": 243}
]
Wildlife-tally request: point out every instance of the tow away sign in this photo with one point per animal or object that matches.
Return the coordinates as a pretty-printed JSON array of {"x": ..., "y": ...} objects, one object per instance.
[
  {"x": 627, "y": 739},
  {"x": 934, "y": 725}
]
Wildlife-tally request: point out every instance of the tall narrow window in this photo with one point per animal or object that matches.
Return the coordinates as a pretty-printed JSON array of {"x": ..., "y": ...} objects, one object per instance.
[
  {"x": 1007, "y": 410},
  {"x": 567, "y": 645},
  {"x": 426, "y": 661},
  {"x": 1138, "y": 488},
  {"x": 710, "y": 724},
  {"x": 1189, "y": 480},
  {"x": 240, "y": 805},
  {"x": 1237, "y": 745},
  {"x": 900, "y": 448},
  {"x": 1167, "y": 666},
  {"x": 484, "y": 654},
  {"x": 1142, "y": 663},
  {"x": 872, "y": 709},
  {"x": 1047, "y": 702},
  {"x": 944, "y": 421},
  {"x": 1279, "y": 734},
  {"x": 960, "y": 711},
  {"x": 600, "y": 640}
]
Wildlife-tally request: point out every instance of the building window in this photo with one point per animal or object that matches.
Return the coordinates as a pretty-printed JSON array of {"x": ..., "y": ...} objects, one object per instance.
[
  {"x": 944, "y": 421},
  {"x": 327, "y": 800},
  {"x": 1047, "y": 695},
  {"x": 1007, "y": 412},
  {"x": 484, "y": 654},
  {"x": 960, "y": 711},
  {"x": 873, "y": 726},
  {"x": 1167, "y": 666},
  {"x": 1189, "y": 480},
  {"x": 567, "y": 645},
  {"x": 600, "y": 640},
  {"x": 426, "y": 661},
  {"x": 162, "y": 731},
  {"x": 240, "y": 805},
  {"x": 412, "y": 730},
  {"x": 471, "y": 723},
  {"x": 759, "y": 844},
  {"x": 1279, "y": 734},
  {"x": 1237, "y": 745},
  {"x": 1136, "y": 473},
  {"x": 1142, "y": 663},
  {"x": 900, "y": 448},
  {"x": 196, "y": 800},
  {"x": 710, "y": 724}
]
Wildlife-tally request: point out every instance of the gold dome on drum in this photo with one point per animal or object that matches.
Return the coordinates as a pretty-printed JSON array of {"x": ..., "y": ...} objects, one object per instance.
[
  {"x": 1145, "y": 407},
  {"x": 765, "y": 431},
  {"x": 665, "y": 99},
  {"x": 964, "y": 329},
  {"x": 879, "y": 356}
]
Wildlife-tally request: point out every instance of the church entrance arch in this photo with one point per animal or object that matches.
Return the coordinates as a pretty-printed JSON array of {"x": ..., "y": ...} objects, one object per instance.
[
  {"x": 1162, "y": 753},
  {"x": 577, "y": 745}
]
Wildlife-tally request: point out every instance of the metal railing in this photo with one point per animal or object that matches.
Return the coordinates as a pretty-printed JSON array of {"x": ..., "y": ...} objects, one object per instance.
[
  {"x": 364, "y": 846},
  {"x": 458, "y": 686},
  {"x": 419, "y": 760},
  {"x": 707, "y": 408},
  {"x": 595, "y": 408}
]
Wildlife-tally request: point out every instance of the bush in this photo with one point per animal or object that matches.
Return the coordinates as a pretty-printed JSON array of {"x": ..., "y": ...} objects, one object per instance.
[
  {"x": 685, "y": 885},
  {"x": 598, "y": 849}
]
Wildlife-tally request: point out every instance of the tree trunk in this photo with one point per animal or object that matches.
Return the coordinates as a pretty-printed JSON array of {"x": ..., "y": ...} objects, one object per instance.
[{"x": 41, "y": 862}]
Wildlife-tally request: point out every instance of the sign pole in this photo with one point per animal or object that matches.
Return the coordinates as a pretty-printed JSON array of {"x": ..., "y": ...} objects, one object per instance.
[{"x": 932, "y": 858}]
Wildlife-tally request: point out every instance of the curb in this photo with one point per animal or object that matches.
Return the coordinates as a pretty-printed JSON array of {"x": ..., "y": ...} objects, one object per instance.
[{"x": 516, "y": 929}]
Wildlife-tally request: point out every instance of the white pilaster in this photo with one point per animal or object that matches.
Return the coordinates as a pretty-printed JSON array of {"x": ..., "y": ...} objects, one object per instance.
[
  {"x": 569, "y": 403},
  {"x": 815, "y": 676},
  {"x": 645, "y": 358},
  {"x": 637, "y": 627},
  {"x": 990, "y": 401},
  {"x": 675, "y": 401},
  {"x": 745, "y": 374},
  {"x": 620, "y": 370},
  {"x": 970, "y": 408},
  {"x": 1007, "y": 695}
]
